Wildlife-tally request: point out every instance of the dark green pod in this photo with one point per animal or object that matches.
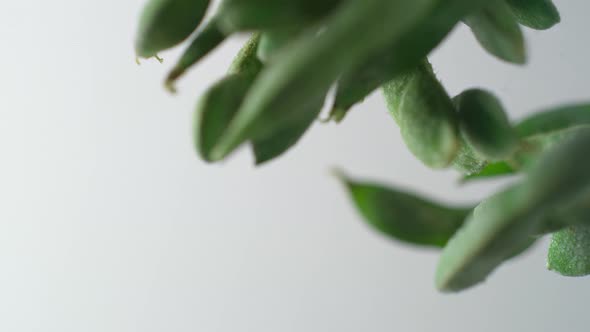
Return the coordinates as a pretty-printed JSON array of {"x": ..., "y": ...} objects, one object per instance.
[
  {"x": 166, "y": 23},
  {"x": 498, "y": 32},
  {"x": 503, "y": 224},
  {"x": 204, "y": 42},
  {"x": 425, "y": 114},
  {"x": 273, "y": 40},
  {"x": 268, "y": 148},
  {"x": 569, "y": 251},
  {"x": 535, "y": 14},
  {"x": 220, "y": 103},
  {"x": 485, "y": 124},
  {"x": 404, "y": 216},
  {"x": 247, "y": 15},
  {"x": 307, "y": 68}
]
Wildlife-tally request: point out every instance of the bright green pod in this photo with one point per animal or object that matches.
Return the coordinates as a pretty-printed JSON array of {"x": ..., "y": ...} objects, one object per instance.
[
  {"x": 485, "y": 125},
  {"x": 502, "y": 225},
  {"x": 247, "y": 15},
  {"x": 268, "y": 148},
  {"x": 202, "y": 44},
  {"x": 404, "y": 54},
  {"x": 497, "y": 31},
  {"x": 554, "y": 119},
  {"x": 425, "y": 114},
  {"x": 569, "y": 251},
  {"x": 219, "y": 104},
  {"x": 535, "y": 14},
  {"x": 404, "y": 216},
  {"x": 166, "y": 23},
  {"x": 307, "y": 68}
]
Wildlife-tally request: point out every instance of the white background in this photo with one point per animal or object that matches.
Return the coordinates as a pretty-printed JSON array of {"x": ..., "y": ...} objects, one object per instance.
[{"x": 109, "y": 221}]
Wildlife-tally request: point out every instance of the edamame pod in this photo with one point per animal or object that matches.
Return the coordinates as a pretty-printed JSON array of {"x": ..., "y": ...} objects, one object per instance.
[
  {"x": 400, "y": 56},
  {"x": 219, "y": 105},
  {"x": 166, "y": 23},
  {"x": 242, "y": 15},
  {"x": 554, "y": 119},
  {"x": 404, "y": 216},
  {"x": 498, "y": 32},
  {"x": 485, "y": 125},
  {"x": 535, "y": 14},
  {"x": 425, "y": 114},
  {"x": 204, "y": 42},
  {"x": 569, "y": 251},
  {"x": 309, "y": 66},
  {"x": 503, "y": 224}
]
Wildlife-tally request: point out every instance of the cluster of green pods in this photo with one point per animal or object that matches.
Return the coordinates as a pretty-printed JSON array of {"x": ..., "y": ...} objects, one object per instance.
[{"x": 300, "y": 50}]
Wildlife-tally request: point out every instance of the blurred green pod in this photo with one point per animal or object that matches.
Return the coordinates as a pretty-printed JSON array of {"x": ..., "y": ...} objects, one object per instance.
[
  {"x": 307, "y": 68},
  {"x": 503, "y": 225},
  {"x": 202, "y": 44},
  {"x": 400, "y": 56},
  {"x": 496, "y": 29},
  {"x": 247, "y": 15},
  {"x": 404, "y": 216},
  {"x": 484, "y": 124},
  {"x": 554, "y": 119},
  {"x": 219, "y": 104},
  {"x": 535, "y": 14},
  {"x": 425, "y": 114},
  {"x": 166, "y": 23}
]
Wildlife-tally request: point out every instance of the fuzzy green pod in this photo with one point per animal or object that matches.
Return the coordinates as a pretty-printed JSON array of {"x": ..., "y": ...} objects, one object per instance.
[
  {"x": 497, "y": 31},
  {"x": 166, "y": 23},
  {"x": 310, "y": 65},
  {"x": 569, "y": 251},
  {"x": 502, "y": 225},
  {"x": 401, "y": 55},
  {"x": 404, "y": 216},
  {"x": 220, "y": 103},
  {"x": 535, "y": 14},
  {"x": 245, "y": 15},
  {"x": 204, "y": 42},
  {"x": 485, "y": 125},
  {"x": 425, "y": 114}
]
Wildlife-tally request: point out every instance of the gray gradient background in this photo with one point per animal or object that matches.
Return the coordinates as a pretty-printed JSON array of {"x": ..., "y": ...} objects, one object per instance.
[{"x": 109, "y": 221}]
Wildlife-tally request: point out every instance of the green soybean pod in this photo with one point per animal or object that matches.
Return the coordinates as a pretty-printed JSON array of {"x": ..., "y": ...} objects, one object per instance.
[
  {"x": 425, "y": 114},
  {"x": 166, "y": 23},
  {"x": 535, "y": 14},
  {"x": 554, "y": 119},
  {"x": 502, "y": 225},
  {"x": 405, "y": 216},
  {"x": 485, "y": 124},
  {"x": 309, "y": 66},
  {"x": 569, "y": 251},
  {"x": 404, "y": 54},
  {"x": 497, "y": 31},
  {"x": 245, "y": 15},
  {"x": 204, "y": 42},
  {"x": 467, "y": 161},
  {"x": 220, "y": 103}
]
